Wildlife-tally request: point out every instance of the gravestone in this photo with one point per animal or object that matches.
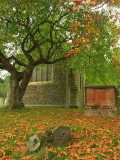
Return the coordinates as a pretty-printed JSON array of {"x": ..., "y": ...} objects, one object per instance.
[
  {"x": 58, "y": 138},
  {"x": 61, "y": 136}
]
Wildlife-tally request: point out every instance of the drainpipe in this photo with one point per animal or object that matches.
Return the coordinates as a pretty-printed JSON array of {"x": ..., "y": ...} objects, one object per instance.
[
  {"x": 84, "y": 98},
  {"x": 118, "y": 97},
  {"x": 67, "y": 105}
]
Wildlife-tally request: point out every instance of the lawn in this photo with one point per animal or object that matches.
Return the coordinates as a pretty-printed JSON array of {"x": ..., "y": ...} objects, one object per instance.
[{"x": 92, "y": 138}]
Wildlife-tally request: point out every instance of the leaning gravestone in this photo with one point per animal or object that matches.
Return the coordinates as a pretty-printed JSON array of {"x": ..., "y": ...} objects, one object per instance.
[
  {"x": 33, "y": 142},
  {"x": 61, "y": 136},
  {"x": 58, "y": 138}
]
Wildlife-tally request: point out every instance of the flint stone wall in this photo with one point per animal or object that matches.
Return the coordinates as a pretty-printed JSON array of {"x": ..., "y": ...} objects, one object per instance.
[
  {"x": 2, "y": 101},
  {"x": 51, "y": 93}
]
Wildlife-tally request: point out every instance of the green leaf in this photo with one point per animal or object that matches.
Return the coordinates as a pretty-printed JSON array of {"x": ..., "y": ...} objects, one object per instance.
[
  {"x": 8, "y": 152},
  {"x": 115, "y": 142}
]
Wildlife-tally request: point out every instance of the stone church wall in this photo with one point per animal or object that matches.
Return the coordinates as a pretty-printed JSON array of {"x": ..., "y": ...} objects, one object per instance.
[{"x": 49, "y": 93}]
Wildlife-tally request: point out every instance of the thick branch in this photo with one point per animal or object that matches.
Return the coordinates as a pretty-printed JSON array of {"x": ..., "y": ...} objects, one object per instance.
[
  {"x": 54, "y": 47},
  {"x": 26, "y": 52},
  {"x": 54, "y": 23},
  {"x": 17, "y": 61},
  {"x": 31, "y": 49},
  {"x": 36, "y": 43},
  {"x": 5, "y": 64},
  {"x": 62, "y": 17},
  {"x": 56, "y": 60},
  {"x": 2, "y": 66}
]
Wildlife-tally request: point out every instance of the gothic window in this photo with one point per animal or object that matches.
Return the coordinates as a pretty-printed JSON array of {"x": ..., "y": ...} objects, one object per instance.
[
  {"x": 42, "y": 73},
  {"x": 49, "y": 72}
]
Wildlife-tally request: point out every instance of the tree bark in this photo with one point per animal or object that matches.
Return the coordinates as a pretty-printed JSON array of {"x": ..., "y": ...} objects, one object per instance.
[
  {"x": 14, "y": 100},
  {"x": 17, "y": 89}
]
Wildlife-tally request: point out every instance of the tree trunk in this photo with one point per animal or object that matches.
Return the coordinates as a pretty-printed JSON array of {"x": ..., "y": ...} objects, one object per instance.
[
  {"x": 14, "y": 100},
  {"x": 17, "y": 89}
]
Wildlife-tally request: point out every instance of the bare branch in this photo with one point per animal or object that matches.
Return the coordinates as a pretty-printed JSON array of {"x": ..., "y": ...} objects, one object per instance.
[{"x": 23, "y": 43}]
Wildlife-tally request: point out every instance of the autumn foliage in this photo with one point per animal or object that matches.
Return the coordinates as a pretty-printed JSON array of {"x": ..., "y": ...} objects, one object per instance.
[
  {"x": 91, "y": 24},
  {"x": 92, "y": 138}
]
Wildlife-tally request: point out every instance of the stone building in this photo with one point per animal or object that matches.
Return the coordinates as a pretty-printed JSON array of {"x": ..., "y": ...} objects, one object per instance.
[{"x": 50, "y": 87}]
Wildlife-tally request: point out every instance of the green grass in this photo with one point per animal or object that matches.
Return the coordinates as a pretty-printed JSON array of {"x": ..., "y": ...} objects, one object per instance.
[{"x": 94, "y": 137}]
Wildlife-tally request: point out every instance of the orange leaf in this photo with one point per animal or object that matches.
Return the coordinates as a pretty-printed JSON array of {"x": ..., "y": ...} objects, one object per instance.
[
  {"x": 90, "y": 2},
  {"x": 52, "y": 149},
  {"x": 6, "y": 158},
  {"x": 26, "y": 158},
  {"x": 59, "y": 4},
  {"x": 88, "y": 150},
  {"x": 64, "y": 153},
  {"x": 77, "y": 2},
  {"x": 102, "y": 154}
]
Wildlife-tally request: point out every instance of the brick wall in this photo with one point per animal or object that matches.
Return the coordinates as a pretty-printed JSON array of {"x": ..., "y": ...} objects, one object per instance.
[
  {"x": 100, "y": 96},
  {"x": 100, "y": 100}
]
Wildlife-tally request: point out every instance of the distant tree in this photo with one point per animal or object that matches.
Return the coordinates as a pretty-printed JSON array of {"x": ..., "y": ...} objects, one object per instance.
[
  {"x": 48, "y": 31},
  {"x": 4, "y": 86}
]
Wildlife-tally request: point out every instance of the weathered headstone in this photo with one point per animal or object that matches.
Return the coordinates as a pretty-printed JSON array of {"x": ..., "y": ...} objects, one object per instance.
[
  {"x": 61, "y": 136},
  {"x": 33, "y": 142},
  {"x": 58, "y": 138}
]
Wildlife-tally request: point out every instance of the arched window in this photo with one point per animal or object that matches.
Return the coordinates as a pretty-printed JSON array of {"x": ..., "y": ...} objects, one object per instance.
[{"x": 43, "y": 72}]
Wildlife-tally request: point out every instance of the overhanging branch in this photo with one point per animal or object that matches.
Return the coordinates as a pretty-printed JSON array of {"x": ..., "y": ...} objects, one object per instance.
[
  {"x": 37, "y": 45},
  {"x": 17, "y": 61},
  {"x": 54, "y": 23},
  {"x": 1, "y": 66},
  {"x": 57, "y": 60},
  {"x": 26, "y": 52},
  {"x": 62, "y": 17},
  {"x": 5, "y": 64}
]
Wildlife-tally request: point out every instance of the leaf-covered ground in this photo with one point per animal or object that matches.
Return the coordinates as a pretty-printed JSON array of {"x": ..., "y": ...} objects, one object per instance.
[{"x": 92, "y": 138}]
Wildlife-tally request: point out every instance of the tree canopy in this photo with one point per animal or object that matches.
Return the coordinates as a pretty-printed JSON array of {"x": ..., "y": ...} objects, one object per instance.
[
  {"x": 96, "y": 42},
  {"x": 49, "y": 31},
  {"x": 31, "y": 31}
]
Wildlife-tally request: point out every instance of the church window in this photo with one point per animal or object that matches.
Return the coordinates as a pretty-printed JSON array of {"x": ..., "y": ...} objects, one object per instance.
[{"x": 42, "y": 73}]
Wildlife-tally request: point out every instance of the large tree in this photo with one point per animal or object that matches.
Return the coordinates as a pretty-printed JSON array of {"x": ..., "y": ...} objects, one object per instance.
[{"x": 48, "y": 31}]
